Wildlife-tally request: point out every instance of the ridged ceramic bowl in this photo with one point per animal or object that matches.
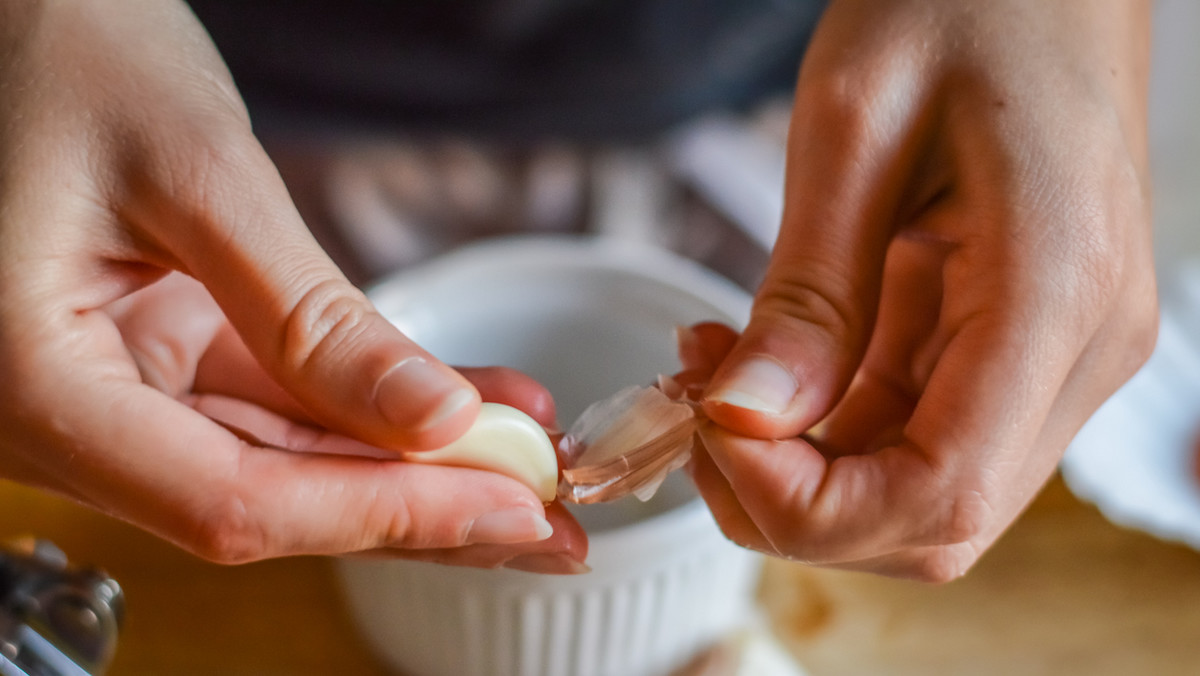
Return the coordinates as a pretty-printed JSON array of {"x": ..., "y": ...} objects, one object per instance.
[{"x": 586, "y": 317}]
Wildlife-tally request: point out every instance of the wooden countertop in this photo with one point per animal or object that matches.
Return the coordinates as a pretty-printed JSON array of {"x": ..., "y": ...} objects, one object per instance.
[{"x": 1064, "y": 592}]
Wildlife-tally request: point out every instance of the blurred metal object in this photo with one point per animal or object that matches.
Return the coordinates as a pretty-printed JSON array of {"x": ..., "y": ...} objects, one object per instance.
[{"x": 55, "y": 618}]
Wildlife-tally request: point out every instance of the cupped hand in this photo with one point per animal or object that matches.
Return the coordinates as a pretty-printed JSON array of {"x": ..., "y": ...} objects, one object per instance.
[
  {"x": 963, "y": 274},
  {"x": 125, "y": 154}
]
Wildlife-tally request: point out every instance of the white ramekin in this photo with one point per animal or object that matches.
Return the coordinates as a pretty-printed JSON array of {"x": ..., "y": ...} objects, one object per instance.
[{"x": 586, "y": 317}]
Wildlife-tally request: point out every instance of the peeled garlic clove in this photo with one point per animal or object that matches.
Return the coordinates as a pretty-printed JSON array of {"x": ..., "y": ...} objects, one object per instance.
[{"x": 503, "y": 440}]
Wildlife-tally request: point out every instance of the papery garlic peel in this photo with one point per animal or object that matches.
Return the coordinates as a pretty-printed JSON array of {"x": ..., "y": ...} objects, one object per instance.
[
  {"x": 627, "y": 444},
  {"x": 503, "y": 440}
]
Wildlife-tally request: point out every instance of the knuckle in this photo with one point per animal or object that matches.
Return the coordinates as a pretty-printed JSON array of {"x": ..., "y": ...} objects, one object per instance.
[
  {"x": 1098, "y": 267},
  {"x": 1104, "y": 274},
  {"x": 162, "y": 362},
  {"x": 403, "y": 509},
  {"x": 1133, "y": 340},
  {"x": 228, "y": 147},
  {"x": 398, "y": 526},
  {"x": 943, "y": 564},
  {"x": 815, "y": 528},
  {"x": 217, "y": 160},
  {"x": 1142, "y": 341},
  {"x": 967, "y": 515},
  {"x": 835, "y": 101},
  {"x": 206, "y": 170},
  {"x": 198, "y": 179},
  {"x": 226, "y": 534},
  {"x": 329, "y": 316},
  {"x": 791, "y": 298},
  {"x": 1125, "y": 322},
  {"x": 1088, "y": 257}
]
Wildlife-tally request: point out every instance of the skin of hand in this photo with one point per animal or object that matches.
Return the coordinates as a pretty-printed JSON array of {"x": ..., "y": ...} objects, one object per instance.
[
  {"x": 963, "y": 275},
  {"x": 128, "y": 170}
]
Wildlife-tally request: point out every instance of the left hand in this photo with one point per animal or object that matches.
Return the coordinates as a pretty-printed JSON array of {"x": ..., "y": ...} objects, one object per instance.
[
  {"x": 184, "y": 347},
  {"x": 126, "y": 153}
]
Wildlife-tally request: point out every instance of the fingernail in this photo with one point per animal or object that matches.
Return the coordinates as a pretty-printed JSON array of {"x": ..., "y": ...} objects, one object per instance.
[
  {"x": 405, "y": 393},
  {"x": 509, "y": 526},
  {"x": 551, "y": 564},
  {"x": 759, "y": 384}
]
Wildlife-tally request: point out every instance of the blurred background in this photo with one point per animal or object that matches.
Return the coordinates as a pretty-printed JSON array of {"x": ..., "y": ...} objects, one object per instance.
[{"x": 1063, "y": 592}]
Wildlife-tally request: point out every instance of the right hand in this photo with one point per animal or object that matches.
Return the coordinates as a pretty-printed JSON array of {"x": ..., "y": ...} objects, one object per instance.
[
  {"x": 963, "y": 275},
  {"x": 125, "y": 154}
]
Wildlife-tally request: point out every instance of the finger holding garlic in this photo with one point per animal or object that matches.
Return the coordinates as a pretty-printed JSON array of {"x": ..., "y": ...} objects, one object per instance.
[
  {"x": 482, "y": 501},
  {"x": 506, "y": 440}
]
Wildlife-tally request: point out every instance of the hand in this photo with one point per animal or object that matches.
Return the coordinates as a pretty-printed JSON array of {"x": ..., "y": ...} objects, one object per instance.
[
  {"x": 126, "y": 153},
  {"x": 962, "y": 276}
]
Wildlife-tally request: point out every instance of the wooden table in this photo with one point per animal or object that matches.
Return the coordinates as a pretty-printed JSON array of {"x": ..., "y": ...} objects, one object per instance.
[{"x": 1064, "y": 592}]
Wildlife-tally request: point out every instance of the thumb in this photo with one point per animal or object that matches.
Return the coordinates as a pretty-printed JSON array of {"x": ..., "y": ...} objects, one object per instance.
[
  {"x": 815, "y": 310},
  {"x": 237, "y": 231},
  {"x": 807, "y": 333}
]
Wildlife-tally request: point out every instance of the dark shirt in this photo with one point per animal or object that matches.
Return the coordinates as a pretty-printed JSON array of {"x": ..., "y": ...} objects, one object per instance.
[{"x": 591, "y": 69}]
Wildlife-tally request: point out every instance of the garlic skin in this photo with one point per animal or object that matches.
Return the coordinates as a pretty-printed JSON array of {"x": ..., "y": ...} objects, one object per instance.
[
  {"x": 628, "y": 443},
  {"x": 503, "y": 440}
]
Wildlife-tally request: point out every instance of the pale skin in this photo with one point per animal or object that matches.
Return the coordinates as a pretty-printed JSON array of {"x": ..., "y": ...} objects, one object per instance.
[
  {"x": 963, "y": 275},
  {"x": 126, "y": 155}
]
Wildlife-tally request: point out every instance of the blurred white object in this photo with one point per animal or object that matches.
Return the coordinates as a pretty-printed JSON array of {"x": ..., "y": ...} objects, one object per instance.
[
  {"x": 1135, "y": 459},
  {"x": 763, "y": 656},
  {"x": 736, "y": 167},
  {"x": 586, "y": 317},
  {"x": 631, "y": 196},
  {"x": 753, "y": 652}
]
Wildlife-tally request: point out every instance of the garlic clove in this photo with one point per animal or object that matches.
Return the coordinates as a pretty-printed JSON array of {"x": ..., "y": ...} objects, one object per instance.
[{"x": 503, "y": 440}]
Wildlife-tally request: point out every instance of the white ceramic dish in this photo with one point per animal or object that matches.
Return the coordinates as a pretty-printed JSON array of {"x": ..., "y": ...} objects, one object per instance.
[{"x": 586, "y": 317}]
